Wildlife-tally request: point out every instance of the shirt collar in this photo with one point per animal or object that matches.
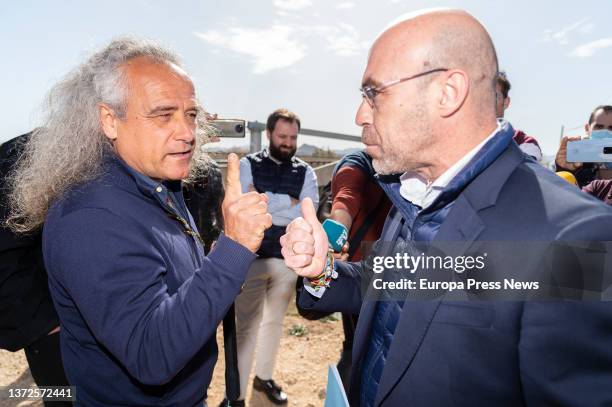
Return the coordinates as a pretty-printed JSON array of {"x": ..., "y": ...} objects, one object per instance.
[
  {"x": 266, "y": 153},
  {"x": 420, "y": 192},
  {"x": 168, "y": 194},
  {"x": 147, "y": 185}
]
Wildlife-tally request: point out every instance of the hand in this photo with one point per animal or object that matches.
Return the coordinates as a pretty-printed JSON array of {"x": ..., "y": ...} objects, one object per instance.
[
  {"x": 342, "y": 216},
  {"x": 214, "y": 138},
  {"x": 305, "y": 245},
  {"x": 246, "y": 216},
  {"x": 561, "y": 158},
  {"x": 211, "y": 116},
  {"x": 344, "y": 253}
]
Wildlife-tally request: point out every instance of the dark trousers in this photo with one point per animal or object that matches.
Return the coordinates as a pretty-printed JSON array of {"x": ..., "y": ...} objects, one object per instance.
[{"x": 45, "y": 361}]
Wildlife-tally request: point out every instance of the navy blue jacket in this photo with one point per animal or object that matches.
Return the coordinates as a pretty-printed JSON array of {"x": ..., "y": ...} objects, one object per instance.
[
  {"x": 496, "y": 353},
  {"x": 138, "y": 301}
]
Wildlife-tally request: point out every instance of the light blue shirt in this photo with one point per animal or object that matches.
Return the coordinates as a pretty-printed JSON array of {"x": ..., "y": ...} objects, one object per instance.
[{"x": 279, "y": 205}]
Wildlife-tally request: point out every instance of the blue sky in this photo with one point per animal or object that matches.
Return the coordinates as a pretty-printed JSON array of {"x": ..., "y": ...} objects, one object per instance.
[{"x": 249, "y": 57}]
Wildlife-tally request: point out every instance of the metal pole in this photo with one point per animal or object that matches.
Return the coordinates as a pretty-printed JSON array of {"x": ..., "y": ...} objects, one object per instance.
[
  {"x": 256, "y": 128},
  {"x": 327, "y": 134}
]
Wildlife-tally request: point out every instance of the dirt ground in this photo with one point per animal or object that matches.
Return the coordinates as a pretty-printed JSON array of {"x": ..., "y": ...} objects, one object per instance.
[{"x": 301, "y": 368}]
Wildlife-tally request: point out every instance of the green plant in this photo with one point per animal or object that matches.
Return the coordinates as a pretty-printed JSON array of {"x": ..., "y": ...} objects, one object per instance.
[{"x": 298, "y": 330}]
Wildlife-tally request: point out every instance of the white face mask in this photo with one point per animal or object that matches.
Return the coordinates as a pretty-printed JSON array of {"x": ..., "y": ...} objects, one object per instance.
[
  {"x": 599, "y": 134},
  {"x": 603, "y": 134}
]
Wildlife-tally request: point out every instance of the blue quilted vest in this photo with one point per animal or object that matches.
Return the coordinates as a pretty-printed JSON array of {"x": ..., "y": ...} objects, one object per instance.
[
  {"x": 279, "y": 178},
  {"x": 417, "y": 226}
]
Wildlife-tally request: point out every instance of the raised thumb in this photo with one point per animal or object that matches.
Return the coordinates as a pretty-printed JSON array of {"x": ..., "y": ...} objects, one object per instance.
[
  {"x": 233, "y": 189},
  {"x": 308, "y": 211}
]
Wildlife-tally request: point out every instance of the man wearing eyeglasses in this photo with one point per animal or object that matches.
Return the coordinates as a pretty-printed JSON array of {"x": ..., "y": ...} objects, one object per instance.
[{"x": 453, "y": 174}]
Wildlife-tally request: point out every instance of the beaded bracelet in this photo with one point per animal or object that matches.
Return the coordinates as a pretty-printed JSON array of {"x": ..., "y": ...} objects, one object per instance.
[{"x": 329, "y": 272}]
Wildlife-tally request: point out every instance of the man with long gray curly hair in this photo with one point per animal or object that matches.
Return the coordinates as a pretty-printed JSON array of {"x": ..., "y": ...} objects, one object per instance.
[{"x": 138, "y": 300}]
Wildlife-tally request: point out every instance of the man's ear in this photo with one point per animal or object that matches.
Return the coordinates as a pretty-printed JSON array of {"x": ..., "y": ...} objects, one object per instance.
[
  {"x": 108, "y": 121},
  {"x": 587, "y": 128},
  {"x": 506, "y": 103},
  {"x": 455, "y": 89},
  {"x": 268, "y": 134}
]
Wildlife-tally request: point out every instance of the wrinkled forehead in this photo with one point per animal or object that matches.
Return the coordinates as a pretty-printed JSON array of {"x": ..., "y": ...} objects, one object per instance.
[
  {"x": 154, "y": 86},
  {"x": 143, "y": 72}
]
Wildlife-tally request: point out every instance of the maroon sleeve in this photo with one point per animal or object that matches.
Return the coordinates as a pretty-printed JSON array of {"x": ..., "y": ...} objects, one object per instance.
[
  {"x": 592, "y": 188},
  {"x": 348, "y": 186},
  {"x": 520, "y": 138}
]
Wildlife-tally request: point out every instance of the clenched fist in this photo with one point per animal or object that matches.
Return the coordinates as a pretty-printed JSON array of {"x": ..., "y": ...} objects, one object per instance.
[
  {"x": 305, "y": 245},
  {"x": 245, "y": 216}
]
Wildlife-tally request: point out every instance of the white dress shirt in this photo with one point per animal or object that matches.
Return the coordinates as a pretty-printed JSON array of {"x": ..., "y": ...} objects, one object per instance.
[{"x": 421, "y": 192}]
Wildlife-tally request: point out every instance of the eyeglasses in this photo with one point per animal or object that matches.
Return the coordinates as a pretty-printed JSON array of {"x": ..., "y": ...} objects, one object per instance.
[{"x": 370, "y": 92}]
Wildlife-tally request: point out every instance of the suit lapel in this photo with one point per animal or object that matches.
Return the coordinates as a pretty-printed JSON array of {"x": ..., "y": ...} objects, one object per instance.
[{"x": 462, "y": 225}]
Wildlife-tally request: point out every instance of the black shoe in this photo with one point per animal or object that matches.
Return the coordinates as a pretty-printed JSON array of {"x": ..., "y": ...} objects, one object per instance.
[
  {"x": 274, "y": 392},
  {"x": 236, "y": 403}
]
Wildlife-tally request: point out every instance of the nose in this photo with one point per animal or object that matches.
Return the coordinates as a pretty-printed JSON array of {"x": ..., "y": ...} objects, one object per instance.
[
  {"x": 364, "y": 114},
  {"x": 291, "y": 143},
  {"x": 185, "y": 130}
]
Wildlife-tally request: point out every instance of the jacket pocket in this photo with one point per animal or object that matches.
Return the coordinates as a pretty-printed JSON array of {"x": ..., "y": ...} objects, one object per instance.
[{"x": 469, "y": 315}]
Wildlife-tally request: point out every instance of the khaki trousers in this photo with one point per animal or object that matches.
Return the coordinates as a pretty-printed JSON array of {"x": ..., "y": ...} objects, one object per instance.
[{"x": 260, "y": 310}]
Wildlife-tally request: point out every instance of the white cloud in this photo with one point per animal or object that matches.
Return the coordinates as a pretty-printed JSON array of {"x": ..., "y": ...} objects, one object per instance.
[
  {"x": 345, "y": 5},
  {"x": 282, "y": 45},
  {"x": 270, "y": 48},
  {"x": 589, "y": 49},
  {"x": 342, "y": 39},
  {"x": 283, "y": 13},
  {"x": 586, "y": 28},
  {"x": 562, "y": 36},
  {"x": 292, "y": 4},
  {"x": 345, "y": 41}
]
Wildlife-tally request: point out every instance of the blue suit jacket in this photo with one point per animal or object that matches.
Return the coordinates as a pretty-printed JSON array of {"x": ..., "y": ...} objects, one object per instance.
[{"x": 494, "y": 353}]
